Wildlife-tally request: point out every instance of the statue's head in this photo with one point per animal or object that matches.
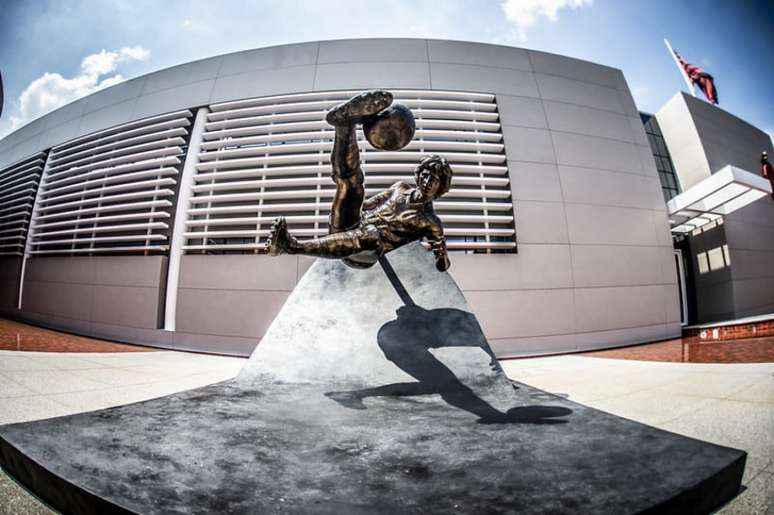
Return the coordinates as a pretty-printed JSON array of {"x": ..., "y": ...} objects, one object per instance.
[
  {"x": 433, "y": 176},
  {"x": 391, "y": 129}
]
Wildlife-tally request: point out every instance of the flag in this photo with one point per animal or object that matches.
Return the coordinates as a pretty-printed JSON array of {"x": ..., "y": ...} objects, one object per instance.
[
  {"x": 702, "y": 79},
  {"x": 1, "y": 94}
]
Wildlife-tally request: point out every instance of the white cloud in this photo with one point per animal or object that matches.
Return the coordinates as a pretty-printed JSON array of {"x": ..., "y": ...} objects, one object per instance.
[
  {"x": 525, "y": 13},
  {"x": 52, "y": 90}
]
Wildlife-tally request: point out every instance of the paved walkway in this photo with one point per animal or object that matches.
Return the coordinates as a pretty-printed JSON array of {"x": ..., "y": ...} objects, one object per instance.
[{"x": 728, "y": 404}]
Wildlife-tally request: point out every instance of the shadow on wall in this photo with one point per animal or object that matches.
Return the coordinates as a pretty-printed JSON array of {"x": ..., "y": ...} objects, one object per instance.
[{"x": 406, "y": 342}]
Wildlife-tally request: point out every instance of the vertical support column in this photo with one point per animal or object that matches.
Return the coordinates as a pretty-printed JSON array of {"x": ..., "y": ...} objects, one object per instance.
[
  {"x": 31, "y": 228},
  {"x": 177, "y": 238}
]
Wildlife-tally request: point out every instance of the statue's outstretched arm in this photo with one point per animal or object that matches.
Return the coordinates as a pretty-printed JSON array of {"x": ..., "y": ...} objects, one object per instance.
[{"x": 437, "y": 243}]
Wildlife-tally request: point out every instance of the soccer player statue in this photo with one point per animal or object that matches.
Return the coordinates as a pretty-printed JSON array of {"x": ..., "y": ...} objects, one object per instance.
[{"x": 361, "y": 231}]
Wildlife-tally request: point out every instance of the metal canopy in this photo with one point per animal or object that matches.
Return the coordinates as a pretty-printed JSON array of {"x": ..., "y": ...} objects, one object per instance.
[{"x": 720, "y": 194}]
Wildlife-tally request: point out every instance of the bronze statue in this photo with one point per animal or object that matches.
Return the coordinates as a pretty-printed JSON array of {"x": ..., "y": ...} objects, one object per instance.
[{"x": 361, "y": 231}]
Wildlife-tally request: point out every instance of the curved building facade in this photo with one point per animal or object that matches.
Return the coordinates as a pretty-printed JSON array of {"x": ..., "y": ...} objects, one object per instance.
[{"x": 140, "y": 213}]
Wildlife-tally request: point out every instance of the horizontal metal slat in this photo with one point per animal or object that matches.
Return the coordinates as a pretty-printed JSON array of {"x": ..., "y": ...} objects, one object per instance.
[
  {"x": 131, "y": 167},
  {"x": 86, "y": 194},
  {"x": 113, "y": 198},
  {"x": 121, "y": 152},
  {"x": 325, "y": 180},
  {"x": 105, "y": 209},
  {"x": 25, "y": 175},
  {"x": 415, "y": 157},
  {"x": 155, "y": 172},
  {"x": 113, "y": 163},
  {"x": 103, "y": 228},
  {"x": 326, "y": 170},
  {"x": 440, "y": 207},
  {"x": 17, "y": 196},
  {"x": 32, "y": 166},
  {"x": 162, "y": 134},
  {"x": 105, "y": 250},
  {"x": 145, "y": 215},
  {"x": 101, "y": 239},
  {"x": 121, "y": 131},
  {"x": 325, "y": 146}
]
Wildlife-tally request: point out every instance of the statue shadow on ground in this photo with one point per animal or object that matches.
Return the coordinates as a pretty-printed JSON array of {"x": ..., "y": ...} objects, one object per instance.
[{"x": 406, "y": 342}]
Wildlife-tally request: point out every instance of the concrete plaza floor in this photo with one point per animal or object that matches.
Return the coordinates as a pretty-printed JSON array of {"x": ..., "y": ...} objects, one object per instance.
[{"x": 728, "y": 404}]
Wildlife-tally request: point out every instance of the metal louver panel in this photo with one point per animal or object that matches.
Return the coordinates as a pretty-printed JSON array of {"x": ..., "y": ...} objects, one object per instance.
[
  {"x": 112, "y": 191},
  {"x": 265, "y": 157},
  {"x": 18, "y": 185}
]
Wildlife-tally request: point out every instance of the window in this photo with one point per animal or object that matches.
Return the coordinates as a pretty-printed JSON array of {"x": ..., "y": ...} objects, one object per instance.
[
  {"x": 669, "y": 184},
  {"x": 703, "y": 264}
]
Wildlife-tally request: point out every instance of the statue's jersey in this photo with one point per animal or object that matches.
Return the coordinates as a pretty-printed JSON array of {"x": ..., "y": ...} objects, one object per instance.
[{"x": 400, "y": 221}]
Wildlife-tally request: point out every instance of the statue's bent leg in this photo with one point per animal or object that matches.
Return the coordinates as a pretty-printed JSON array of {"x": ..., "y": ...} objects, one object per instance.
[
  {"x": 348, "y": 176},
  {"x": 363, "y": 240}
]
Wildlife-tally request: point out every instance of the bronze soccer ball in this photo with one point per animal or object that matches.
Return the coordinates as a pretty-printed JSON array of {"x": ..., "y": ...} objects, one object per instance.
[{"x": 391, "y": 129}]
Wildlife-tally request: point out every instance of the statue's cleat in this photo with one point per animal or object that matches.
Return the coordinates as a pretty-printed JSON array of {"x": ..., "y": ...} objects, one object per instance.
[
  {"x": 280, "y": 240},
  {"x": 359, "y": 107},
  {"x": 347, "y": 399}
]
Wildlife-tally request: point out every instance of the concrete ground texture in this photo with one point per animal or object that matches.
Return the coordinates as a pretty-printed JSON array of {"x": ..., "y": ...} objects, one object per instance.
[{"x": 727, "y": 404}]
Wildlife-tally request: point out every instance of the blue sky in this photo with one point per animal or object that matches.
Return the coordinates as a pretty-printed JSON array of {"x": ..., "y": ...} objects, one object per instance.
[{"x": 52, "y": 52}]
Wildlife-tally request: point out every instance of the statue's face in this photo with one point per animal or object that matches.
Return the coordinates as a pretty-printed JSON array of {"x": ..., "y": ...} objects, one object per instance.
[{"x": 428, "y": 183}]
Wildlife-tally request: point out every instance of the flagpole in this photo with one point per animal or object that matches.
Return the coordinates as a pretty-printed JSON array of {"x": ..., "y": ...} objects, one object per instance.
[{"x": 680, "y": 67}]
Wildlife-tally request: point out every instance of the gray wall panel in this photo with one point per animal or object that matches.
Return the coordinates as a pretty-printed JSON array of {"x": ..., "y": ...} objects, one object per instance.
[
  {"x": 541, "y": 222},
  {"x": 246, "y": 313},
  {"x": 188, "y": 73},
  {"x": 239, "y": 272},
  {"x": 354, "y": 50},
  {"x": 481, "y": 78},
  {"x": 584, "y": 120},
  {"x": 272, "y": 58},
  {"x": 580, "y": 93},
  {"x": 603, "y": 225},
  {"x": 523, "y": 313},
  {"x": 66, "y": 300},
  {"x": 463, "y": 52},
  {"x": 175, "y": 98},
  {"x": 603, "y": 265},
  {"x": 108, "y": 116},
  {"x": 78, "y": 269},
  {"x": 262, "y": 82},
  {"x": 357, "y": 75},
  {"x": 600, "y": 309},
  {"x": 521, "y": 111},
  {"x": 536, "y": 267},
  {"x": 602, "y": 187},
  {"x": 527, "y": 144},
  {"x": 619, "y": 337},
  {"x": 10, "y": 268},
  {"x": 576, "y": 69},
  {"x": 115, "y": 290},
  {"x": 533, "y": 345},
  {"x": 535, "y": 181},
  {"x": 592, "y": 152},
  {"x": 126, "y": 305},
  {"x": 147, "y": 271},
  {"x": 117, "y": 94}
]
